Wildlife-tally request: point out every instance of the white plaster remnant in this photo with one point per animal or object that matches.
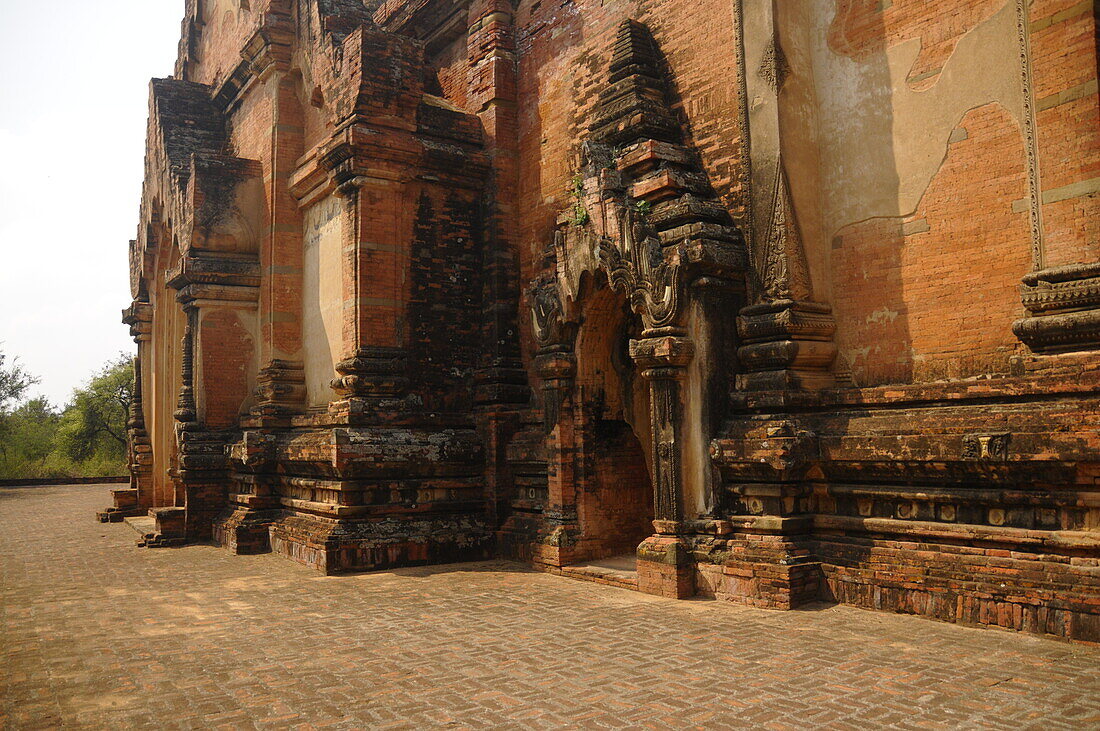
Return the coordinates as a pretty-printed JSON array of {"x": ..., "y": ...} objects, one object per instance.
[{"x": 882, "y": 316}]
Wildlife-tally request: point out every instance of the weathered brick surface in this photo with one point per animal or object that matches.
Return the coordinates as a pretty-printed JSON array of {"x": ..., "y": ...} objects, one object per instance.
[
  {"x": 1065, "y": 52},
  {"x": 912, "y": 319},
  {"x": 99, "y": 634},
  {"x": 227, "y": 353}
]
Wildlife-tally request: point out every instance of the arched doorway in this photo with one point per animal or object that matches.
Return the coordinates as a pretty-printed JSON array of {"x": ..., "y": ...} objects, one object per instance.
[{"x": 614, "y": 490}]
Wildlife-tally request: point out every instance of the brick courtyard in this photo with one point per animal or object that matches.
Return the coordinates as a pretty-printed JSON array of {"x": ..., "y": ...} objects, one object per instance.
[{"x": 98, "y": 633}]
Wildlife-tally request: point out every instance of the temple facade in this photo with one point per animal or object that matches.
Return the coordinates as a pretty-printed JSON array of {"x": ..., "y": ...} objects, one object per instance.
[{"x": 788, "y": 301}]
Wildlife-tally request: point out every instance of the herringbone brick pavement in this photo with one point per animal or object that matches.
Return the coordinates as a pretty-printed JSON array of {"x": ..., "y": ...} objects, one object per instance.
[{"x": 98, "y": 633}]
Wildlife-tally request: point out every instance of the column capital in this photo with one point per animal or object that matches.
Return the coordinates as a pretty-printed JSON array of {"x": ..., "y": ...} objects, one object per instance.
[
  {"x": 556, "y": 365},
  {"x": 372, "y": 371},
  {"x": 139, "y": 316},
  {"x": 662, "y": 352}
]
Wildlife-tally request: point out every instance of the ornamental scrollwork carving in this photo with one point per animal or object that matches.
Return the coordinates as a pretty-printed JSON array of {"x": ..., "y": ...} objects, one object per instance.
[
  {"x": 550, "y": 328},
  {"x": 633, "y": 259},
  {"x": 637, "y": 265}
]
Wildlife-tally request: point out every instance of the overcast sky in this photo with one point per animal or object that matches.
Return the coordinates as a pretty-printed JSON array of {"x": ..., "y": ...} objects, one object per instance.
[{"x": 74, "y": 77}]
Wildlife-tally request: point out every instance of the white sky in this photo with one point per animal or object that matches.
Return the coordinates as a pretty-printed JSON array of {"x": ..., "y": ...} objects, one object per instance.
[{"x": 74, "y": 78}]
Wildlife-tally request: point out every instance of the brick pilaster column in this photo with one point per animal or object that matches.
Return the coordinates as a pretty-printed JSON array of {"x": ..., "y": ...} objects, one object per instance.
[
  {"x": 376, "y": 256},
  {"x": 139, "y": 316},
  {"x": 786, "y": 333},
  {"x": 664, "y": 361},
  {"x": 1059, "y": 78},
  {"x": 558, "y": 370},
  {"x": 138, "y": 497}
]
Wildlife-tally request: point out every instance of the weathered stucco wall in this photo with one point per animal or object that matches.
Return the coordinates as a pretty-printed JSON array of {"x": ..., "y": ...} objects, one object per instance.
[
  {"x": 906, "y": 204},
  {"x": 322, "y": 296}
]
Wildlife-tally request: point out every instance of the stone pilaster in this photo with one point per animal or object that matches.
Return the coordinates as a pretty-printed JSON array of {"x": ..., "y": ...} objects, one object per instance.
[
  {"x": 501, "y": 380},
  {"x": 786, "y": 334},
  {"x": 664, "y": 563},
  {"x": 558, "y": 369},
  {"x": 140, "y": 450},
  {"x": 500, "y": 389}
]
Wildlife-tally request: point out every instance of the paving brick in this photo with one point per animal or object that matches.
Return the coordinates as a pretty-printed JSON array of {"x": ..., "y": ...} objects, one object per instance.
[{"x": 97, "y": 633}]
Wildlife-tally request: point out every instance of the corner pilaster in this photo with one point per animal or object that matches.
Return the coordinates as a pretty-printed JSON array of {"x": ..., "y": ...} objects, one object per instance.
[
  {"x": 138, "y": 497},
  {"x": 786, "y": 333}
]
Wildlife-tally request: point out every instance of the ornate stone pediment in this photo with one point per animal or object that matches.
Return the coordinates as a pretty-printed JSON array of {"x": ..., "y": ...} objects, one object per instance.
[
  {"x": 634, "y": 261},
  {"x": 643, "y": 214}
]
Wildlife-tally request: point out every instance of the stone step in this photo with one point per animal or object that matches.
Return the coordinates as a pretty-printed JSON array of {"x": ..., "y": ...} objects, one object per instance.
[
  {"x": 143, "y": 524},
  {"x": 621, "y": 571}
]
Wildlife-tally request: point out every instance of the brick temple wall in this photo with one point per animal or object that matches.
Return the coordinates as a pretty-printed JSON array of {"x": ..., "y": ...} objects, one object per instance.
[{"x": 351, "y": 209}]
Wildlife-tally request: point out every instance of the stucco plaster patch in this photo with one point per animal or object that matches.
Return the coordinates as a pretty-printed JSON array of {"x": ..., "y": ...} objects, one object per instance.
[{"x": 881, "y": 142}]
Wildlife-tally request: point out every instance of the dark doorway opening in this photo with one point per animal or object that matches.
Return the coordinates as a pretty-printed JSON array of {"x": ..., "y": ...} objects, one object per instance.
[{"x": 614, "y": 490}]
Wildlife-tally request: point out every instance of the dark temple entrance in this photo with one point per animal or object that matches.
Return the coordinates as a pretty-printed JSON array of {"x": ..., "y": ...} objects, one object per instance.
[{"x": 614, "y": 492}]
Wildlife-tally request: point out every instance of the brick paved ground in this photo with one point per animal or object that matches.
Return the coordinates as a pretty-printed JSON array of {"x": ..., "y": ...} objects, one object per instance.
[{"x": 98, "y": 633}]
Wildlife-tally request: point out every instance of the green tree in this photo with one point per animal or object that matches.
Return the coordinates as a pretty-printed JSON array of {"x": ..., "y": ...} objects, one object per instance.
[
  {"x": 87, "y": 439},
  {"x": 33, "y": 427},
  {"x": 94, "y": 422},
  {"x": 27, "y": 449},
  {"x": 14, "y": 382}
]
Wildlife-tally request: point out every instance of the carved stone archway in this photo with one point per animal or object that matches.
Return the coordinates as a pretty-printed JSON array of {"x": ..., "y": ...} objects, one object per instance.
[{"x": 644, "y": 219}]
